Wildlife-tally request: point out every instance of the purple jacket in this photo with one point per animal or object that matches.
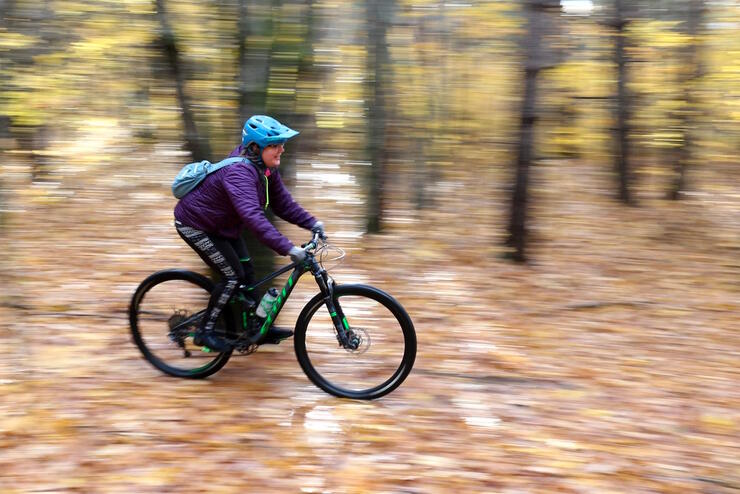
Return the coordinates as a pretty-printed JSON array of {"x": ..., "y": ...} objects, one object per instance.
[{"x": 233, "y": 198}]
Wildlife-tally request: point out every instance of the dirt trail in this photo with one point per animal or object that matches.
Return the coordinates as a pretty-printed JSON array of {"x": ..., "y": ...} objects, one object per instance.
[{"x": 607, "y": 365}]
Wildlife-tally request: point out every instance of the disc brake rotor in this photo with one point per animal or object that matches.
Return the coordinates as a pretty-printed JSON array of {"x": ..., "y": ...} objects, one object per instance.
[{"x": 361, "y": 337}]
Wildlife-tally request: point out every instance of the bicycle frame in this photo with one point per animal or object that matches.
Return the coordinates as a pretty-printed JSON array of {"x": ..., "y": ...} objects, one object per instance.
[{"x": 326, "y": 286}]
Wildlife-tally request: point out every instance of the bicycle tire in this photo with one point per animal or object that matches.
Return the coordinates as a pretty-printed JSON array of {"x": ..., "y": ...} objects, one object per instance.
[
  {"x": 376, "y": 305},
  {"x": 194, "y": 283}
]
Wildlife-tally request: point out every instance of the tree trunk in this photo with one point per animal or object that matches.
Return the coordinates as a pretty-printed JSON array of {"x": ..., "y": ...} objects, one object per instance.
[
  {"x": 198, "y": 147},
  {"x": 517, "y": 222},
  {"x": 623, "y": 108},
  {"x": 254, "y": 74},
  {"x": 377, "y": 18},
  {"x": 694, "y": 66},
  {"x": 243, "y": 33},
  {"x": 254, "y": 61},
  {"x": 309, "y": 80},
  {"x": 290, "y": 72},
  {"x": 429, "y": 27},
  {"x": 537, "y": 59}
]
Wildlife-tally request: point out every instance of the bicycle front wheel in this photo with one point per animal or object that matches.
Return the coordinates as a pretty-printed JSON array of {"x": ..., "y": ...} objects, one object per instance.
[
  {"x": 165, "y": 311},
  {"x": 386, "y": 350}
]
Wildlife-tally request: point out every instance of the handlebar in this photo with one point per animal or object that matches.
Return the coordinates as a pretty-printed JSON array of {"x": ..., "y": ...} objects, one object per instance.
[
  {"x": 313, "y": 244},
  {"x": 319, "y": 246}
]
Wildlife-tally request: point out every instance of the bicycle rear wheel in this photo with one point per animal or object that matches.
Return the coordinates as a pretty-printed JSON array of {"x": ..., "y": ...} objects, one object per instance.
[
  {"x": 164, "y": 313},
  {"x": 386, "y": 352}
]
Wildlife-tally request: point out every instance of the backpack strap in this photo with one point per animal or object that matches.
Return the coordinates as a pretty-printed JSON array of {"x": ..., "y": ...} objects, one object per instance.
[{"x": 228, "y": 161}]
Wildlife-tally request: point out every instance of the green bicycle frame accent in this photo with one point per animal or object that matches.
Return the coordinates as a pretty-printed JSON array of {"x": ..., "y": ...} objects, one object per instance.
[
  {"x": 281, "y": 298},
  {"x": 325, "y": 286}
]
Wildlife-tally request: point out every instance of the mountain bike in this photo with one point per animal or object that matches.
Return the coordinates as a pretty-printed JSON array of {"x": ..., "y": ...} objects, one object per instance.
[{"x": 352, "y": 341}]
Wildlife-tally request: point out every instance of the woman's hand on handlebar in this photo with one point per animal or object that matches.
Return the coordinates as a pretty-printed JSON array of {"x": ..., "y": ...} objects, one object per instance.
[
  {"x": 318, "y": 227},
  {"x": 298, "y": 254}
]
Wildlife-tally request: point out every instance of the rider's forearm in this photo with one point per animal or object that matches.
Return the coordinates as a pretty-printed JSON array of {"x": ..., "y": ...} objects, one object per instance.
[{"x": 287, "y": 208}]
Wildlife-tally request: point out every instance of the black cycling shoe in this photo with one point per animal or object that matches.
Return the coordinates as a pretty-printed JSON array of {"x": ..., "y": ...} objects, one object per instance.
[
  {"x": 276, "y": 335},
  {"x": 211, "y": 340}
]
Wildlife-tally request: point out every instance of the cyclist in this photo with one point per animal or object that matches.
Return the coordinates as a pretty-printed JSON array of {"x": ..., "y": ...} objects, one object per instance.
[{"x": 211, "y": 218}]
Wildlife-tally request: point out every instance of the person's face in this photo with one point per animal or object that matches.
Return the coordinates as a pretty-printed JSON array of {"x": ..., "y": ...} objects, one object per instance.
[{"x": 271, "y": 155}]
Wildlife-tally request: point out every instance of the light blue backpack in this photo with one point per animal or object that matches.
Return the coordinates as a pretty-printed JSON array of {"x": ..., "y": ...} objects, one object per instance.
[{"x": 194, "y": 173}]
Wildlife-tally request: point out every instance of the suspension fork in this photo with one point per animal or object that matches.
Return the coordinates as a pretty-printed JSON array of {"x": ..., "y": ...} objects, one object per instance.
[{"x": 326, "y": 285}]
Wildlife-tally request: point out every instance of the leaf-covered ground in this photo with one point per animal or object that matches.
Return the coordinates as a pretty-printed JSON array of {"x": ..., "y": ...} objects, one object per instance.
[{"x": 608, "y": 364}]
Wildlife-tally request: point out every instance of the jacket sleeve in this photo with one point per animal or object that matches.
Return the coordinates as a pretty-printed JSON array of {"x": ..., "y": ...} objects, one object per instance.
[
  {"x": 285, "y": 206},
  {"x": 242, "y": 186}
]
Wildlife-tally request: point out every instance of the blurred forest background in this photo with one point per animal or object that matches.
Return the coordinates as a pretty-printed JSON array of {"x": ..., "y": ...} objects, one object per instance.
[{"x": 550, "y": 187}]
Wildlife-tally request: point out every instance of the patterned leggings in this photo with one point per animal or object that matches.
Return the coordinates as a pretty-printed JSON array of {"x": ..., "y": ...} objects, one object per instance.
[{"x": 227, "y": 256}]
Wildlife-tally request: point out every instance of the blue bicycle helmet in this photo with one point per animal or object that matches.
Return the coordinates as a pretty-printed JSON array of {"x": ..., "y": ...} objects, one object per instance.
[{"x": 264, "y": 130}]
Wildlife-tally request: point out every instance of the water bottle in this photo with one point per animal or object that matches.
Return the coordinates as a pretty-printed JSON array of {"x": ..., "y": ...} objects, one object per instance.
[{"x": 268, "y": 299}]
